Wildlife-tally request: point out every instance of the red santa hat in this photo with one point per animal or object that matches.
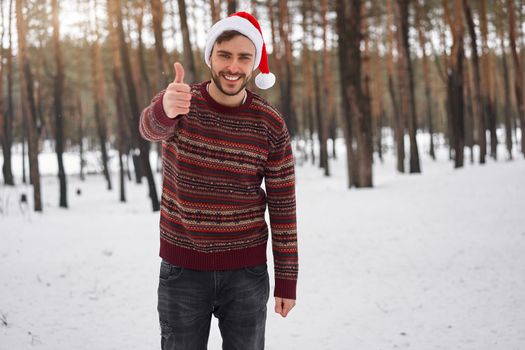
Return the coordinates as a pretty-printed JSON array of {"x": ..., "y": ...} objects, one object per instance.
[{"x": 248, "y": 26}]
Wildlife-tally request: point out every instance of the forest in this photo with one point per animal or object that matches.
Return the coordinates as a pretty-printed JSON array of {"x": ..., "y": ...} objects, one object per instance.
[{"x": 75, "y": 76}]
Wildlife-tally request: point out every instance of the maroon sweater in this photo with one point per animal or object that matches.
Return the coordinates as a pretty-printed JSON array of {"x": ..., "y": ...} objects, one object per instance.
[{"x": 212, "y": 207}]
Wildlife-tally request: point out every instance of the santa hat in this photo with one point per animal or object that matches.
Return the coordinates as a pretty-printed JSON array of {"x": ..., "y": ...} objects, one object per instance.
[{"x": 247, "y": 25}]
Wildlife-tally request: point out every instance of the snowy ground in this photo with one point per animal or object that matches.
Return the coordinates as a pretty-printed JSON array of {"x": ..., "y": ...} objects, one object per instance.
[{"x": 432, "y": 261}]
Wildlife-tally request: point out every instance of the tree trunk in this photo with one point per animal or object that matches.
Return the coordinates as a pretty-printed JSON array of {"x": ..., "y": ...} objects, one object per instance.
[
  {"x": 486, "y": 84},
  {"x": 507, "y": 110},
  {"x": 478, "y": 98},
  {"x": 469, "y": 112},
  {"x": 27, "y": 93},
  {"x": 518, "y": 80},
  {"x": 99, "y": 94},
  {"x": 135, "y": 111},
  {"x": 455, "y": 81},
  {"x": 80, "y": 134},
  {"x": 406, "y": 81},
  {"x": 215, "y": 7},
  {"x": 326, "y": 91},
  {"x": 7, "y": 139},
  {"x": 58, "y": 93},
  {"x": 232, "y": 6},
  {"x": 426, "y": 75},
  {"x": 399, "y": 129},
  {"x": 343, "y": 28},
  {"x": 190, "y": 73}
]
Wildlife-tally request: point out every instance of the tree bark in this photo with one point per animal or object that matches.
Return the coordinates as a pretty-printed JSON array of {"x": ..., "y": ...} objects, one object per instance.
[
  {"x": 478, "y": 98},
  {"x": 27, "y": 93},
  {"x": 455, "y": 81},
  {"x": 399, "y": 129},
  {"x": 426, "y": 75},
  {"x": 518, "y": 80},
  {"x": 58, "y": 93},
  {"x": 8, "y": 125},
  {"x": 232, "y": 6},
  {"x": 342, "y": 26},
  {"x": 406, "y": 81},
  {"x": 326, "y": 91},
  {"x": 99, "y": 94},
  {"x": 486, "y": 84},
  {"x": 507, "y": 109}
]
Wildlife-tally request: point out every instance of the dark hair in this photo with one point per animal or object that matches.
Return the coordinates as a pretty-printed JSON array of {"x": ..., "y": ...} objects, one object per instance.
[{"x": 228, "y": 35}]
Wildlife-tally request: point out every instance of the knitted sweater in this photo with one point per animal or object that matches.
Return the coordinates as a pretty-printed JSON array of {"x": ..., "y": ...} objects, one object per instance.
[{"x": 213, "y": 207}]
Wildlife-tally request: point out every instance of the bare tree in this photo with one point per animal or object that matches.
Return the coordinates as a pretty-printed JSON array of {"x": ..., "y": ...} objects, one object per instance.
[
  {"x": 506, "y": 80},
  {"x": 406, "y": 83},
  {"x": 518, "y": 80},
  {"x": 455, "y": 80},
  {"x": 348, "y": 30},
  {"x": 99, "y": 93},
  {"x": 28, "y": 94},
  {"x": 58, "y": 93},
  {"x": 420, "y": 13}
]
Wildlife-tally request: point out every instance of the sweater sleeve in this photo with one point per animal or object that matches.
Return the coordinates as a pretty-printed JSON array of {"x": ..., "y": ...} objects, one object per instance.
[
  {"x": 154, "y": 124},
  {"x": 280, "y": 190}
]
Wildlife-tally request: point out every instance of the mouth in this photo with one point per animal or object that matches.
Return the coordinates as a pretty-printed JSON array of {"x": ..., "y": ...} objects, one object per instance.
[{"x": 231, "y": 78}]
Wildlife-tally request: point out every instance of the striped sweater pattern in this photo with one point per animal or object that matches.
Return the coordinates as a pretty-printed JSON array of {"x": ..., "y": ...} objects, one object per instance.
[{"x": 215, "y": 159}]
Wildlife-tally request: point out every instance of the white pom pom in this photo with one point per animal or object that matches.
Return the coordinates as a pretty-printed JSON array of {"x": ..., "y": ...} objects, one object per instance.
[{"x": 265, "y": 80}]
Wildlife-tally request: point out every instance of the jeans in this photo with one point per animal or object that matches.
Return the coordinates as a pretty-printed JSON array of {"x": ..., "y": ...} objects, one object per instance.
[{"x": 188, "y": 298}]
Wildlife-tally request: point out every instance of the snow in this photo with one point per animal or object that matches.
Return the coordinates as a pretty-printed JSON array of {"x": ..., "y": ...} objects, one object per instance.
[{"x": 431, "y": 261}]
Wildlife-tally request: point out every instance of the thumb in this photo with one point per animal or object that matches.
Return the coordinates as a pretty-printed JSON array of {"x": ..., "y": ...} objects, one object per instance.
[{"x": 179, "y": 72}]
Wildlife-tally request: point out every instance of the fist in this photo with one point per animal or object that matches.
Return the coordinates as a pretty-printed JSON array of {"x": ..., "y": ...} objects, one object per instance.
[{"x": 177, "y": 98}]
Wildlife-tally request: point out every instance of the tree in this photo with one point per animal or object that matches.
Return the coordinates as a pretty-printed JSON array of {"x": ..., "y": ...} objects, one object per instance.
[
  {"x": 406, "y": 83},
  {"x": 99, "y": 93},
  {"x": 518, "y": 80},
  {"x": 455, "y": 80},
  {"x": 478, "y": 98},
  {"x": 350, "y": 36},
  {"x": 58, "y": 93},
  {"x": 28, "y": 94},
  {"x": 426, "y": 74}
]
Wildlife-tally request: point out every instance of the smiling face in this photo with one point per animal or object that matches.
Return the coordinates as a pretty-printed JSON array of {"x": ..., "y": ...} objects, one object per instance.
[{"x": 232, "y": 64}]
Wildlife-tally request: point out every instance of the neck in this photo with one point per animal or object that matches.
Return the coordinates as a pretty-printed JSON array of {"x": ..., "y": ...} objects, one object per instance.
[{"x": 226, "y": 100}]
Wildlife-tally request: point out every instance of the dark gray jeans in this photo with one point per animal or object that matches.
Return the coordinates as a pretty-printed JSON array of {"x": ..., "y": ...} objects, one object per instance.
[{"x": 188, "y": 298}]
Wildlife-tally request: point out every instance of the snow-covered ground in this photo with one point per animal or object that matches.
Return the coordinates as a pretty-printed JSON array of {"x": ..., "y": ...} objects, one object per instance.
[{"x": 431, "y": 261}]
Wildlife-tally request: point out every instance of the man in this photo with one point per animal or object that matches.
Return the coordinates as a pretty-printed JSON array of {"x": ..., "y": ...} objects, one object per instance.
[{"x": 220, "y": 141}]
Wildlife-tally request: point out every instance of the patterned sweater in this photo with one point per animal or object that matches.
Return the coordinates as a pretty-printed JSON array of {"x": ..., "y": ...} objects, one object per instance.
[{"x": 212, "y": 207}]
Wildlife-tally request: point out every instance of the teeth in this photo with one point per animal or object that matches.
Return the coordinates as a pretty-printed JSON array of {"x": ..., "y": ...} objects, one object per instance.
[{"x": 229, "y": 77}]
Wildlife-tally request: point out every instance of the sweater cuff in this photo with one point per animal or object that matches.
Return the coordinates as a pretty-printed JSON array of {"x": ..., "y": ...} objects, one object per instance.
[
  {"x": 285, "y": 288},
  {"x": 160, "y": 115}
]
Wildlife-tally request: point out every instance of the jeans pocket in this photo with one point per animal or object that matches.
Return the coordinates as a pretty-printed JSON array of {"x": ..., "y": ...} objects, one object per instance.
[
  {"x": 169, "y": 271},
  {"x": 258, "y": 270}
]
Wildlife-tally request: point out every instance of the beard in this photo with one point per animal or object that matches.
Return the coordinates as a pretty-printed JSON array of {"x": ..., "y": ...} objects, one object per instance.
[{"x": 217, "y": 80}]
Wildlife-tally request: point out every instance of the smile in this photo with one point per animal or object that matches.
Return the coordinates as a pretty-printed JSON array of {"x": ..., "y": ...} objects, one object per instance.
[{"x": 232, "y": 77}]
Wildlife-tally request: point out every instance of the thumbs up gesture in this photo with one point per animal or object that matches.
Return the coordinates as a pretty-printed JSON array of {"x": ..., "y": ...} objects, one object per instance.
[{"x": 177, "y": 98}]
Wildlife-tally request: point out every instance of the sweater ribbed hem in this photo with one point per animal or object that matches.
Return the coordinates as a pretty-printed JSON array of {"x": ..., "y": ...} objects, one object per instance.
[
  {"x": 225, "y": 260},
  {"x": 160, "y": 114},
  {"x": 285, "y": 289}
]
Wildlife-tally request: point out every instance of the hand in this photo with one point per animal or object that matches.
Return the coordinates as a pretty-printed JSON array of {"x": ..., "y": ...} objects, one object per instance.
[
  {"x": 283, "y": 306},
  {"x": 177, "y": 98}
]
